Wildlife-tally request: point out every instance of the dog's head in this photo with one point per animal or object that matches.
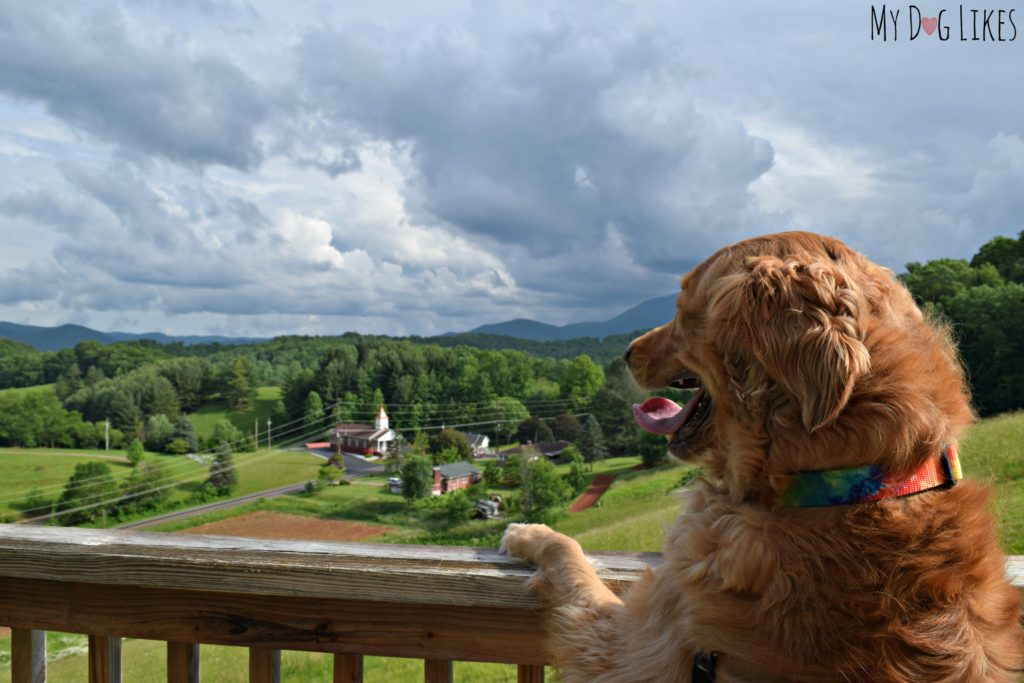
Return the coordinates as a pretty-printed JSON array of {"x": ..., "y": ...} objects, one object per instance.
[{"x": 804, "y": 355}]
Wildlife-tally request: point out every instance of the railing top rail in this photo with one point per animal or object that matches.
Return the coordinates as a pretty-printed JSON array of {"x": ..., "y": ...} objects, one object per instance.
[{"x": 474, "y": 577}]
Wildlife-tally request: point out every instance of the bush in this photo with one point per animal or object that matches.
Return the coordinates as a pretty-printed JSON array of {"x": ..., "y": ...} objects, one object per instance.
[
  {"x": 459, "y": 507},
  {"x": 492, "y": 473},
  {"x": 135, "y": 451},
  {"x": 177, "y": 446},
  {"x": 578, "y": 478},
  {"x": 417, "y": 477}
]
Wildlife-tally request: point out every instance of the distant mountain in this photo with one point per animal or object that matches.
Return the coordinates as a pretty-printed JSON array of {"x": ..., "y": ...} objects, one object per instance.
[
  {"x": 66, "y": 336},
  {"x": 650, "y": 313}
]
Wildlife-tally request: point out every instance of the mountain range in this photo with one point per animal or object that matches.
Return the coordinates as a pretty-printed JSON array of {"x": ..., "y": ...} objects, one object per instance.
[
  {"x": 650, "y": 313},
  {"x": 643, "y": 316},
  {"x": 66, "y": 336}
]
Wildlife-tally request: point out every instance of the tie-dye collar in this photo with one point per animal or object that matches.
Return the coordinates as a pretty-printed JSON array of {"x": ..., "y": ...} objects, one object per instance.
[{"x": 869, "y": 483}]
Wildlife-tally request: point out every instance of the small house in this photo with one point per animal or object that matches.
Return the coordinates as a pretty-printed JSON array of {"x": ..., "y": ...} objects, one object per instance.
[
  {"x": 454, "y": 477},
  {"x": 479, "y": 444}
]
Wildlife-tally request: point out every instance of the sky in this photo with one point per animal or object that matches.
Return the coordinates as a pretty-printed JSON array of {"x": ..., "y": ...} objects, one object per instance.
[{"x": 408, "y": 167}]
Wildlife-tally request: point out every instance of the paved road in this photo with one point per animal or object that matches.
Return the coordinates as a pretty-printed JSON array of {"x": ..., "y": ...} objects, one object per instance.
[
  {"x": 210, "y": 507},
  {"x": 355, "y": 466}
]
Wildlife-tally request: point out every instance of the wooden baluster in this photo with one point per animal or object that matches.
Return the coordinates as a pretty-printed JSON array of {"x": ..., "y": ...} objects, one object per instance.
[
  {"x": 182, "y": 663},
  {"x": 437, "y": 671},
  {"x": 264, "y": 665},
  {"x": 348, "y": 668},
  {"x": 531, "y": 673},
  {"x": 104, "y": 659},
  {"x": 28, "y": 656}
]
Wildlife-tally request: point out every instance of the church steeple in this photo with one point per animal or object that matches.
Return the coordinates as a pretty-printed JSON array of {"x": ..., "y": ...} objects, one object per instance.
[{"x": 382, "y": 418}]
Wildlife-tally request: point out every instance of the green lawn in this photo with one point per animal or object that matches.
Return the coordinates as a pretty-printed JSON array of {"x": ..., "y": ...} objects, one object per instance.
[
  {"x": 47, "y": 470},
  {"x": 37, "y": 389},
  {"x": 632, "y": 515},
  {"x": 204, "y": 418}
]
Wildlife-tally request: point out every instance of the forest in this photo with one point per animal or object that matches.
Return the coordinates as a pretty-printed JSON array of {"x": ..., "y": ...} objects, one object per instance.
[{"x": 144, "y": 388}]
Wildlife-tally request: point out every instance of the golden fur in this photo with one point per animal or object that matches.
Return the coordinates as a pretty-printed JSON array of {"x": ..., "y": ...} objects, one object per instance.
[{"x": 816, "y": 358}]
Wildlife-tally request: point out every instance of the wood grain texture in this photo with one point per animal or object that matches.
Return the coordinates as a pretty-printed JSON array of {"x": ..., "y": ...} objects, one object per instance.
[
  {"x": 348, "y": 668},
  {"x": 489, "y": 634},
  {"x": 28, "y": 656},
  {"x": 104, "y": 659},
  {"x": 476, "y": 577},
  {"x": 182, "y": 662},
  {"x": 529, "y": 673},
  {"x": 264, "y": 665},
  {"x": 438, "y": 671}
]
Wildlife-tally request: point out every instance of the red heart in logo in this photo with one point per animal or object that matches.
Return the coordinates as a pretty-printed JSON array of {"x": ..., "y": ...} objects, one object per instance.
[{"x": 929, "y": 24}]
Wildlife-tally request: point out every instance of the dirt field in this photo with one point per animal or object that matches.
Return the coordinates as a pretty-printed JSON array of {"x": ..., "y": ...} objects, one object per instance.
[
  {"x": 263, "y": 524},
  {"x": 598, "y": 486}
]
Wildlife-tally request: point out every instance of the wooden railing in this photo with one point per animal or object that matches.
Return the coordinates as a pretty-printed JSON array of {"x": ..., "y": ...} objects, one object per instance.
[{"x": 431, "y": 603}]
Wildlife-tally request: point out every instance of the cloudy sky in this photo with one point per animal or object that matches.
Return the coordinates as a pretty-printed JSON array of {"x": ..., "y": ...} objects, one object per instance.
[{"x": 404, "y": 167}]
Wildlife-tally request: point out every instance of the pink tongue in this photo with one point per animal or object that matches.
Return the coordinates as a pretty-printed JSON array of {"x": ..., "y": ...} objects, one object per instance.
[{"x": 663, "y": 416}]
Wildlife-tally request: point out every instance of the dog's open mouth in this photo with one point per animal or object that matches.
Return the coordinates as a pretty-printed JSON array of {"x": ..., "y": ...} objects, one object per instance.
[{"x": 666, "y": 417}]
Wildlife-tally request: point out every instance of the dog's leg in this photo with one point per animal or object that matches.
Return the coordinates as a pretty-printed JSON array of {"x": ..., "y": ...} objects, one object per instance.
[{"x": 564, "y": 576}]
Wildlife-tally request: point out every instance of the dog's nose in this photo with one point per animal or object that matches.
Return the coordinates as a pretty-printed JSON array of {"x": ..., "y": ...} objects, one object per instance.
[{"x": 629, "y": 350}]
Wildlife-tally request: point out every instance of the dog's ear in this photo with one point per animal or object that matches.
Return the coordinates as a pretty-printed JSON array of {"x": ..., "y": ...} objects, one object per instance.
[{"x": 800, "y": 321}]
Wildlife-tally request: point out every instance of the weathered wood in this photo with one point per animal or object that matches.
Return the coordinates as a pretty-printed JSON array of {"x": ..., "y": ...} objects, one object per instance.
[
  {"x": 104, "y": 659},
  {"x": 182, "y": 662},
  {"x": 530, "y": 673},
  {"x": 380, "y": 573},
  {"x": 348, "y": 668},
  {"x": 264, "y": 665},
  {"x": 492, "y": 634},
  {"x": 28, "y": 656},
  {"x": 438, "y": 671}
]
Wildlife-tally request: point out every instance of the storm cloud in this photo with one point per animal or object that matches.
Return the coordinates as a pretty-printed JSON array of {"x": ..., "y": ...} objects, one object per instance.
[{"x": 398, "y": 168}]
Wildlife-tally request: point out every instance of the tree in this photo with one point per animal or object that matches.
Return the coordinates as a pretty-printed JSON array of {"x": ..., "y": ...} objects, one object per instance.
[
  {"x": 223, "y": 475},
  {"x": 145, "y": 489},
  {"x": 565, "y": 427},
  {"x": 577, "y": 477},
  {"x": 458, "y": 507},
  {"x": 580, "y": 379},
  {"x": 512, "y": 469},
  {"x": 225, "y": 432},
  {"x": 591, "y": 442},
  {"x": 91, "y": 488},
  {"x": 533, "y": 430},
  {"x": 240, "y": 384},
  {"x": 653, "y": 449},
  {"x": 448, "y": 455},
  {"x": 492, "y": 473},
  {"x": 509, "y": 412},
  {"x": 158, "y": 432},
  {"x": 186, "y": 431},
  {"x": 313, "y": 414},
  {"x": 451, "y": 439},
  {"x": 135, "y": 452},
  {"x": 417, "y": 477},
  {"x": 543, "y": 489}
]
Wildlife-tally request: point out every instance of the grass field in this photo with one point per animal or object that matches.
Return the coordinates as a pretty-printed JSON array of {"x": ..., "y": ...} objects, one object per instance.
[
  {"x": 204, "y": 418},
  {"x": 37, "y": 389},
  {"x": 632, "y": 515},
  {"x": 47, "y": 470}
]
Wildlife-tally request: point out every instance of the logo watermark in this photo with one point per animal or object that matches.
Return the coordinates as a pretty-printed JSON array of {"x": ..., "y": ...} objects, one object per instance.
[{"x": 965, "y": 24}]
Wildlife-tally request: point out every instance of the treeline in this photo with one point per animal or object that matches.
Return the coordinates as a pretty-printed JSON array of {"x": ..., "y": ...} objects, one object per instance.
[{"x": 983, "y": 299}]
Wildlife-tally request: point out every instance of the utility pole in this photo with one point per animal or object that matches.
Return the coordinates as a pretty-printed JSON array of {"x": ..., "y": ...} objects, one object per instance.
[
  {"x": 268, "y": 433},
  {"x": 106, "y": 433},
  {"x": 256, "y": 432}
]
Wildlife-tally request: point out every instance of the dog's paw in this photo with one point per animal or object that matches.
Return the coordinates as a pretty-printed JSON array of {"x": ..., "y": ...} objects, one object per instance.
[{"x": 525, "y": 541}]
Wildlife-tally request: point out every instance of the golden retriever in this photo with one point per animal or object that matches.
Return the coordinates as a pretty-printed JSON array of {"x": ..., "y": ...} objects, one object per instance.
[{"x": 806, "y": 357}]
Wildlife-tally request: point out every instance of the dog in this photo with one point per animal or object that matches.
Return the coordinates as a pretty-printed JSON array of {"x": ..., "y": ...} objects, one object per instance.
[{"x": 830, "y": 538}]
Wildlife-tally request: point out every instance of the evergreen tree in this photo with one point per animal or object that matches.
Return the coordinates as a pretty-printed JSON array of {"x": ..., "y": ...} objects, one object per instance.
[
  {"x": 135, "y": 452},
  {"x": 186, "y": 431},
  {"x": 223, "y": 475},
  {"x": 91, "y": 487},
  {"x": 591, "y": 442},
  {"x": 417, "y": 477},
  {"x": 240, "y": 384},
  {"x": 313, "y": 414},
  {"x": 577, "y": 476}
]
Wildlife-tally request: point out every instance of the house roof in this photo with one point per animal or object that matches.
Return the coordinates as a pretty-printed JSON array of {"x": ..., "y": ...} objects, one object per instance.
[
  {"x": 458, "y": 469},
  {"x": 548, "y": 448}
]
